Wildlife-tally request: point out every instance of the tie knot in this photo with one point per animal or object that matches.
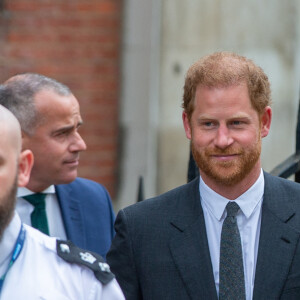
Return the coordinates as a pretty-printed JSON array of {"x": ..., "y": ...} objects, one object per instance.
[
  {"x": 232, "y": 208},
  {"x": 37, "y": 200}
]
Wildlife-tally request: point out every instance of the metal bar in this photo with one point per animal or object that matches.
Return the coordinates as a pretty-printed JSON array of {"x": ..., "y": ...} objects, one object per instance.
[
  {"x": 288, "y": 167},
  {"x": 140, "y": 196},
  {"x": 297, "y": 173}
]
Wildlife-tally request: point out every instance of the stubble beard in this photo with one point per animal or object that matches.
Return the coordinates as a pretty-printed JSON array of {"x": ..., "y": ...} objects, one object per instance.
[
  {"x": 7, "y": 207},
  {"x": 231, "y": 172}
]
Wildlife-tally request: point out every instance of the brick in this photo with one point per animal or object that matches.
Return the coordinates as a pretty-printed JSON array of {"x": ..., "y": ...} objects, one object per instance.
[{"x": 78, "y": 43}]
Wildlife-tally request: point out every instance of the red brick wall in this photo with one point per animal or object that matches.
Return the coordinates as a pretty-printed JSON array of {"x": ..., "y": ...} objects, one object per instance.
[{"x": 76, "y": 42}]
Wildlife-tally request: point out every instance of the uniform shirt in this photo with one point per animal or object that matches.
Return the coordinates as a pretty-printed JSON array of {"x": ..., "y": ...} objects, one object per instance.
[
  {"x": 248, "y": 220},
  {"x": 53, "y": 212},
  {"x": 39, "y": 273}
]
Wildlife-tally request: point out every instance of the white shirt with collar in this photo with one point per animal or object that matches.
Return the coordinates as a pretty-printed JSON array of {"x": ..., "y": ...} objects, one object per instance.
[
  {"x": 53, "y": 212},
  {"x": 248, "y": 220},
  {"x": 39, "y": 273}
]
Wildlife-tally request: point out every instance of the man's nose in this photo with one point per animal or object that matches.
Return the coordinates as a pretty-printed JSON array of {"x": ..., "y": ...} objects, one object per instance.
[
  {"x": 78, "y": 143},
  {"x": 223, "y": 137}
]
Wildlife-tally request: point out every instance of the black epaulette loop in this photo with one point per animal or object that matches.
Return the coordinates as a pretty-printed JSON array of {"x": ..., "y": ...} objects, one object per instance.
[{"x": 72, "y": 254}]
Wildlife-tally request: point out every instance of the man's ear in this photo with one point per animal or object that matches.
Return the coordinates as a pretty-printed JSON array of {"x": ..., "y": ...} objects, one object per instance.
[
  {"x": 266, "y": 121},
  {"x": 25, "y": 165},
  {"x": 187, "y": 126}
]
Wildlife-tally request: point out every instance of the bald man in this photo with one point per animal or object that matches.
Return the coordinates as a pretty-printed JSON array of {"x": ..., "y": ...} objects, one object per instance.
[{"x": 34, "y": 265}]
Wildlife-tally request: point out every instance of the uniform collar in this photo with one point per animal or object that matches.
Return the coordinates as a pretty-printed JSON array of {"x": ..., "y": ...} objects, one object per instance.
[
  {"x": 248, "y": 201},
  {"x": 9, "y": 238}
]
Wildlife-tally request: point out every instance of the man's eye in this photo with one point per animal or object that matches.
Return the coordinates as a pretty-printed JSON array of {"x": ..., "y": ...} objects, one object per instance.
[
  {"x": 63, "y": 133},
  {"x": 236, "y": 122}
]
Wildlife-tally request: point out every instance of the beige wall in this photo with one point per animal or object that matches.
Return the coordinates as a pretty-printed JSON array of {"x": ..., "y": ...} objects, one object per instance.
[{"x": 265, "y": 31}]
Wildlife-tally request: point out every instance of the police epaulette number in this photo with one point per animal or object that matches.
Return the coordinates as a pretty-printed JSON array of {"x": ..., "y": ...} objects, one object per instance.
[{"x": 72, "y": 254}]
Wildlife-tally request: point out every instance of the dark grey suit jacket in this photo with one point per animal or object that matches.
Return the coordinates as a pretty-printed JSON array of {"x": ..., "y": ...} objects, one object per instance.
[{"x": 160, "y": 250}]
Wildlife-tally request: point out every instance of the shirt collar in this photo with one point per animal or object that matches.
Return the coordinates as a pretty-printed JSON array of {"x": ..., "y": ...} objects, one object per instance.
[
  {"x": 23, "y": 191},
  {"x": 248, "y": 201},
  {"x": 9, "y": 238}
]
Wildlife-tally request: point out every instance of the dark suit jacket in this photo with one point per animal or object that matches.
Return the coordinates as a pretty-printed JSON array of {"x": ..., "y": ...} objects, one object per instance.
[
  {"x": 160, "y": 250},
  {"x": 87, "y": 214}
]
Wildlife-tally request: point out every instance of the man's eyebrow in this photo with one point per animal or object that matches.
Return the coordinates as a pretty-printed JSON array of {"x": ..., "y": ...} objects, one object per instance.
[
  {"x": 205, "y": 117},
  {"x": 240, "y": 116},
  {"x": 63, "y": 129},
  {"x": 68, "y": 127}
]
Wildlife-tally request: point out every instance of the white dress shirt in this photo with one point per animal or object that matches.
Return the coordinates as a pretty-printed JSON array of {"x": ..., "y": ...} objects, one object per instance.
[
  {"x": 39, "y": 273},
  {"x": 54, "y": 217},
  {"x": 248, "y": 220}
]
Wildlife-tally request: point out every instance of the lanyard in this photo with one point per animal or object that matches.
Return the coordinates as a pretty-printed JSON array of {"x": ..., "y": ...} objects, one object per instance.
[{"x": 17, "y": 250}]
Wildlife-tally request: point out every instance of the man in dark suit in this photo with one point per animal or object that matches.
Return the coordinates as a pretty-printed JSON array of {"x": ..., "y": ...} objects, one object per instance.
[
  {"x": 72, "y": 208},
  {"x": 233, "y": 232}
]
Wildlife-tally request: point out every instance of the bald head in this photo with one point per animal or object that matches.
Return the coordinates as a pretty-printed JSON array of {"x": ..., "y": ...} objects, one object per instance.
[
  {"x": 15, "y": 165},
  {"x": 10, "y": 130}
]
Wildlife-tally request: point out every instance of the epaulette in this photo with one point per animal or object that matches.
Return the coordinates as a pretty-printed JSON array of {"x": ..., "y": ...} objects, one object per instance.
[{"x": 72, "y": 254}]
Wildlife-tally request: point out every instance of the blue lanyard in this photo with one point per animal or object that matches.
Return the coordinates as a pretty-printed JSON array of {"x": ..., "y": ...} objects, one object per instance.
[{"x": 17, "y": 250}]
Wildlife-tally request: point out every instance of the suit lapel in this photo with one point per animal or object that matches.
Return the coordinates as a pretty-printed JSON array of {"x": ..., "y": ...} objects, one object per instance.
[
  {"x": 189, "y": 248},
  {"x": 276, "y": 244},
  {"x": 278, "y": 240},
  {"x": 70, "y": 208}
]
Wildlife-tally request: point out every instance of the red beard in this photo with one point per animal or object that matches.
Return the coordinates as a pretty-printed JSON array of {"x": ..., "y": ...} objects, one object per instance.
[{"x": 228, "y": 172}]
